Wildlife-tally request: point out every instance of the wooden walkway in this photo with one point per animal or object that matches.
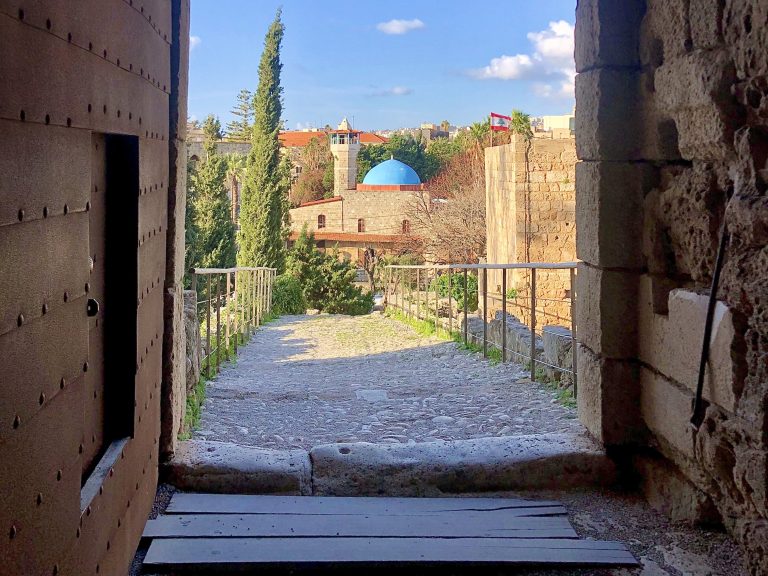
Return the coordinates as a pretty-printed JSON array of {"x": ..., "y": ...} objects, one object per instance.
[{"x": 212, "y": 532}]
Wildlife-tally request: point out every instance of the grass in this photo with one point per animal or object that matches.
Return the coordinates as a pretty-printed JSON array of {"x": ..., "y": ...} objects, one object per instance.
[
  {"x": 196, "y": 398},
  {"x": 427, "y": 328},
  {"x": 564, "y": 396}
]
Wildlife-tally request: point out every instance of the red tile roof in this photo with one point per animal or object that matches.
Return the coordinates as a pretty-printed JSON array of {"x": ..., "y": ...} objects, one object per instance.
[
  {"x": 352, "y": 237},
  {"x": 323, "y": 201},
  {"x": 299, "y": 138}
]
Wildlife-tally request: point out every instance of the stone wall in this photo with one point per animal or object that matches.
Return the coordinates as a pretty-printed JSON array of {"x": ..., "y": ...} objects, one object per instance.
[
  {"x": 333, "y": 212},
  {"x": 672, "y": 134},
  {"x": 383, "y": 211},
  {"x": 531, "y": 217}
]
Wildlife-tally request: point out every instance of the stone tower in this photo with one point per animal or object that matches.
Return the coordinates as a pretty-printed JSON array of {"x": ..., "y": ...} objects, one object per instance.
[{"x": 345, "y": 144}]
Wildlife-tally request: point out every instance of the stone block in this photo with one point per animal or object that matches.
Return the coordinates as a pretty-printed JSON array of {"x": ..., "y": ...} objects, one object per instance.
[
  {"x": 193, "y": 343},
  {"x": 558, "y": 351},
  {"x": 669, "y": 492},
  {"x": 444, "y": 467},
  {"x": 672, "y": 344},
  {"x": 226, "y": 468},
  {"x": 664, "y": 32},
  {"x": 695, "y": 91},
  {"x": 608, "y": 398},
  {"x": 606, "y": 309},
  {"x": 752, "y": 532},
  {"x": 173, "y": 399},
  {"x": 706, "y": 23},
  {"x": 607, "y": 33},
  {"x": 608, "y": 115},
  {"x": 609, "y": 212},
  {"x": 747, "y": 36},
  {"x": 666, "y": 408}
]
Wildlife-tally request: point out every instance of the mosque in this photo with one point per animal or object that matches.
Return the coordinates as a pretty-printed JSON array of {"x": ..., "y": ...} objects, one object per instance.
[{"x": 369, "y": 216}]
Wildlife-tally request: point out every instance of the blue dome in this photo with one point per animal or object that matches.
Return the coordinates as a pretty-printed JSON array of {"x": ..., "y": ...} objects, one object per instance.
[{"x": 391, "y": 172}]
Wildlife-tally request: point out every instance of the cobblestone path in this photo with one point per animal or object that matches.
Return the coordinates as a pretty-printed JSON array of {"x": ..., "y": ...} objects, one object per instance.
[{"x": 309, "y": 380}]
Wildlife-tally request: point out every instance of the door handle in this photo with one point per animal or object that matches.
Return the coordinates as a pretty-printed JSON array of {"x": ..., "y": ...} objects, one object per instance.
[{"x": 92, "y": 308}]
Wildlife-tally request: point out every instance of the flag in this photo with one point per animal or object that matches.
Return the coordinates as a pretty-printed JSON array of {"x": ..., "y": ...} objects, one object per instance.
[{"x": 499, "y": 122}]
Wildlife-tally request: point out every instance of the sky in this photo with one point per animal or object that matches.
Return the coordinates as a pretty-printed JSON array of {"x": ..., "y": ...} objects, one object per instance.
[{"x": 388, "y": 64}]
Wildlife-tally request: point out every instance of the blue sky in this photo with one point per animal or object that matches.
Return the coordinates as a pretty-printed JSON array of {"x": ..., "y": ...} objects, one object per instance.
[{"x": 388, "y": 64}]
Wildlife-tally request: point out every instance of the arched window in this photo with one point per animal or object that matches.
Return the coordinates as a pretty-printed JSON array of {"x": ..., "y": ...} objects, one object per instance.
[
  {"x": 360, "y": 225},
  {"x": 320, "y": 221},
  {"x": 406, "y": 226}
]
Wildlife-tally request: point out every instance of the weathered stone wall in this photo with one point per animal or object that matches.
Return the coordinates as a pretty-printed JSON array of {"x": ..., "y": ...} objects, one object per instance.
[
  {"x": 195, "y": 147},
  {"x": 672, "y": 134},
  {"x": 333, "y": 212},
  {"x": 383, "y": 211},
  {"x": 531, "y": 217}
]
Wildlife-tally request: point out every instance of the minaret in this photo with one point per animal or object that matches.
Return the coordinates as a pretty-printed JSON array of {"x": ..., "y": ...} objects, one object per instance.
[{"x": 345, "y": 144}]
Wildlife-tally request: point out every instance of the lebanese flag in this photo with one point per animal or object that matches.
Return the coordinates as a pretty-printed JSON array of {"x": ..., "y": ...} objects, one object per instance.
[{"x": 499, "y": 122}]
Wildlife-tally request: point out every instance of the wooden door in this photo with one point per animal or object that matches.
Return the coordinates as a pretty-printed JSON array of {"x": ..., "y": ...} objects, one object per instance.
[{"x": 84, "y": 169}]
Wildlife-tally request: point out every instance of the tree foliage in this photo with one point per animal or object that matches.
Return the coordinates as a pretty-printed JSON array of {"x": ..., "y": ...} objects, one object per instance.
[
  {"x": 210, "y": 231},
  {"x": 263, "y": 206},
  {"x": 287, "y": 296},
  {"x": 327, "y": 281},
  {"x": 240, "y": 128},
  {"x": 403, "y": 147},
  {"x": 316, "y": 160},
  {"x": 521, "y": 124}
]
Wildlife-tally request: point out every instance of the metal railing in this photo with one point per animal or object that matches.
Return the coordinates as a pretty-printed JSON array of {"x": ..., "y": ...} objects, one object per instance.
[
  {"x": 237, "y": 300},
  {"x": 411, "y": 288}
]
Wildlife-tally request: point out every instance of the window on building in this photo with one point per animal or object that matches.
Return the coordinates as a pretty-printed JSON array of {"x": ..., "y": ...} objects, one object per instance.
[
  {"x": 406, "y": 226},
  {"x": 360, "y": 225},
  {"x": 320, "y": 221}
]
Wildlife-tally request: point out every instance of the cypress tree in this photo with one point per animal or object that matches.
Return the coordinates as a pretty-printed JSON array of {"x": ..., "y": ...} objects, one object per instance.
[
  {"x": 240, "y": 128},
  {"x": 213, "y": 240},
  {"x": 262, "y": 205}
]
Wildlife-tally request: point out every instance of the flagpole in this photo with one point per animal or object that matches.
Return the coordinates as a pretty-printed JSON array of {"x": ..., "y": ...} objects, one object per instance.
[{"x": 490, "y": 127}]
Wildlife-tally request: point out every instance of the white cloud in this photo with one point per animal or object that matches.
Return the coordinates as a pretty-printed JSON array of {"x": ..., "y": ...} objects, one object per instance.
[
  {"x": 394, "y": 91},
  {"x": 194, "y": 42},
  {"x": 399, "y": 26},
  {"x": 505, "y": 68},
  {"x": 550, "y": 65}
]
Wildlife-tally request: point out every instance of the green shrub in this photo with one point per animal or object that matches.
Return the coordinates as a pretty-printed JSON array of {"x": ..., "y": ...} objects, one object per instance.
[
  {"x": 287, "y": 296},
  {"x": 326, "y": 281},
  {"x": 457, "y": 289}
]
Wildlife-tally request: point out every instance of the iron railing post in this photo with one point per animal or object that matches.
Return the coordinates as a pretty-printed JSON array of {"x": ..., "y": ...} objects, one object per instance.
[
  {"x": 573, "y": 329},
  {"x": 485, "y": 312},
  {"x": 208, "y": 330},
  {"x": 450, "y": 305},
  {"x": 254, "y": 288},
  {"x": 218, "y": 322},
  {"x": 466, "y": 322},
  {"x": 227, "y": 335},
  {"x": 437, "y": 303},
  {"x": 533, "y": 324},
  {"x": 197, "y": 311},
  {"x": 235, "y": 297},
  {"x": 418, "y": 294},
  {"x": 504, "y": 315}
]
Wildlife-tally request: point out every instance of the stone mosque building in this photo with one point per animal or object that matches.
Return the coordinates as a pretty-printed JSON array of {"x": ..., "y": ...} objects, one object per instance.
[{"x": 372, "y": 215}]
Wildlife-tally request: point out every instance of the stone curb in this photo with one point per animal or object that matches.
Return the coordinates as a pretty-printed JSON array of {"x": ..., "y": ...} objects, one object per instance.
[
  {"x": 553, "y": 461},
  {"x": 221, "y": 467},
  {"x": 545, "y": 461}
]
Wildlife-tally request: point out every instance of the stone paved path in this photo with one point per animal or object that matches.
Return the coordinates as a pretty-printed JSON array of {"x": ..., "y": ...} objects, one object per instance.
[{"x": 309, "y": 380}]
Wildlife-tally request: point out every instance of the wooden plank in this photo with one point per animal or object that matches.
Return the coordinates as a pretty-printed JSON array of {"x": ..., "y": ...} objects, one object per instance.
[
  {"x": 250, "y": 504},
  {"x": 196, "y": 553},
  {"x": 445, "y": 525}
]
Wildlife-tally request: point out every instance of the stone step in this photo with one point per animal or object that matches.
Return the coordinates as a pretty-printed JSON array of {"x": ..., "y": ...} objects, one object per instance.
[
  {"x": 479, "y": 465},
  {"x": 543, "y": 461}
]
